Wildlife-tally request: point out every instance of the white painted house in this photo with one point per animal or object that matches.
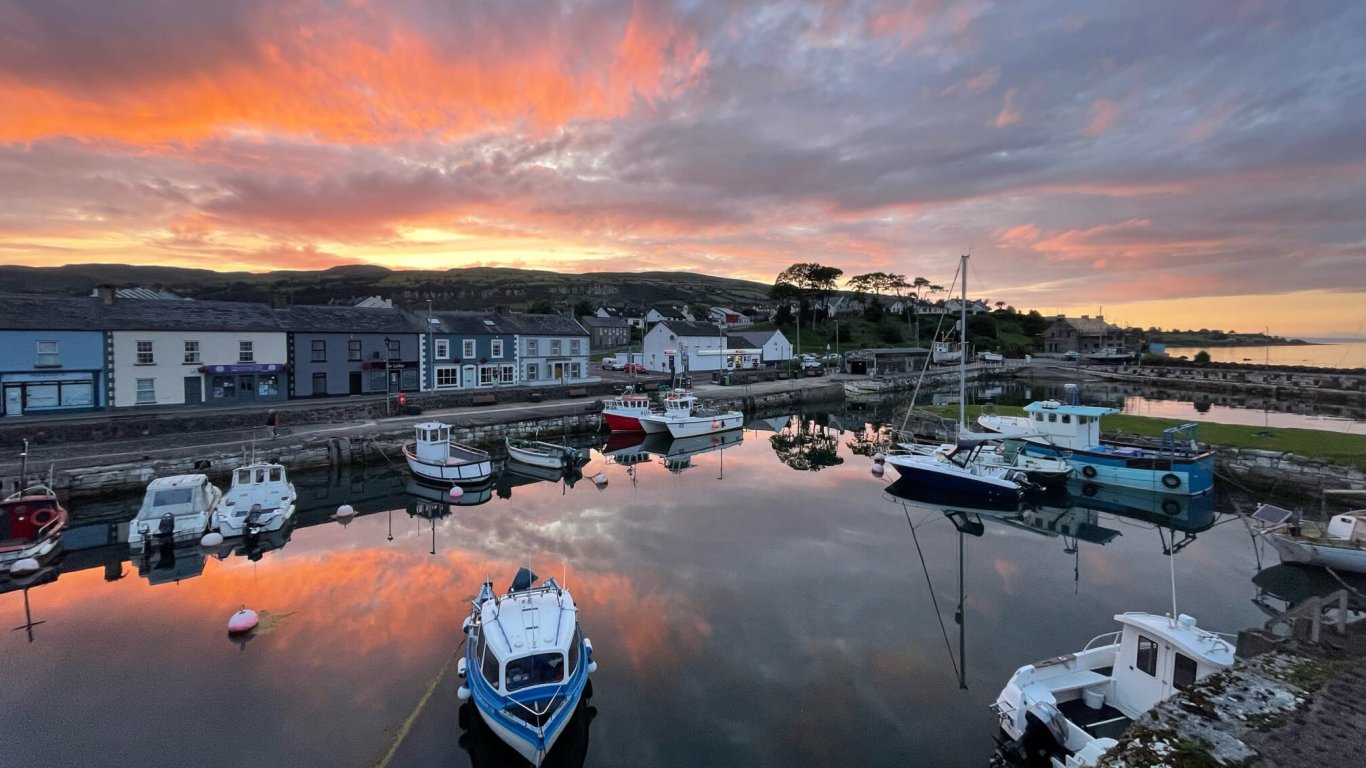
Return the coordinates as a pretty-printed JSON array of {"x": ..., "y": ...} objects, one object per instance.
[
  {"x": 680, "y": 347},
  {"x": 192, "y": 352},
  {"x": 772, "y": 345}
]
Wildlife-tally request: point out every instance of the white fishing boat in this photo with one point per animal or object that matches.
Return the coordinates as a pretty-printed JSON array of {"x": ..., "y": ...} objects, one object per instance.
[
  {"x": 260, "y": 500},
  {"x": 705, "y": 421},
  {"x": 526, "y": 662},
  {"x": 1072, "y": 708},
  {"x": 539, "y": 453},
  {"x": 434, "y": 457},
  {"x": 1339, "y": 544},
  {"x": 678, "y": 404},
  {"x": 174, "y": 509},
  {"x": 945, "y": 352}
]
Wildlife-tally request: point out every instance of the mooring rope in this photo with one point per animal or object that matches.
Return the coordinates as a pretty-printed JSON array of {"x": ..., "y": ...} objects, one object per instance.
[{"x": 407, "y": 725}]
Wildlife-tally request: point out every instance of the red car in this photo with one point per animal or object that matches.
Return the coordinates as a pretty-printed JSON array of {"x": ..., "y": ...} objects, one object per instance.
[{"x": 633, "y": 368}]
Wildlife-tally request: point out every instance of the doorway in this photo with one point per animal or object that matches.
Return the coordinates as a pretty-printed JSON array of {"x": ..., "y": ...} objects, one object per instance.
[
  {"x": 14, "y": 401},
  {"x": 194, "y": 390}
]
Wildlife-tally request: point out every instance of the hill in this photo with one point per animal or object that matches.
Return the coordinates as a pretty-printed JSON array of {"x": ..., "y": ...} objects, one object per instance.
[{"x": 471, "y": 288}]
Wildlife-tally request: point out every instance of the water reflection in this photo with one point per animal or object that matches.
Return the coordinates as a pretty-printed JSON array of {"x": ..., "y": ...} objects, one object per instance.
[
  {"x": 807, "y": 444},
  {"x": 168, "y": 561},
  {"x": 676, "y": 453}
]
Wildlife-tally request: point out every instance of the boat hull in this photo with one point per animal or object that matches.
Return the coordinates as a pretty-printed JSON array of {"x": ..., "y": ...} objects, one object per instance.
[
  {"x": 237, "y": 526},
  {"x": 457, "y": 473},
  {"x": 929, "y": 474},
  {"x": 1309, "y": 553},
  {"x": 530, "y": 742},
  {"x": 653, "y": 424},
  {"x": 1146, "y": 471},
  {"x": 692, "y": 426},
  {"x": 622, "y": 421}
]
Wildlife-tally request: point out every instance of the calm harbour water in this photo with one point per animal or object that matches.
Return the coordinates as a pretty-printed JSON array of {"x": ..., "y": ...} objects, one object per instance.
[
  {"x": 743, "y": 612},
  {"x": 1334, "y": 354}
]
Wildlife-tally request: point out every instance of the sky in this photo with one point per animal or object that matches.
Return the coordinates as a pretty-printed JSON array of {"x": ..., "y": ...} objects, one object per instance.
[{"x": 1180, "y": 164}]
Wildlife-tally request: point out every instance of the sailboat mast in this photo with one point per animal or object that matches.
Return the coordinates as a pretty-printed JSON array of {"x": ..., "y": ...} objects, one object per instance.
[{"x": 963, "y": 352}]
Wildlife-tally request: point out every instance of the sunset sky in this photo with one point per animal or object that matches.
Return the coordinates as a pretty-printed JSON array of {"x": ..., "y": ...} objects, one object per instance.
[{"x": 1174, "y": 163}]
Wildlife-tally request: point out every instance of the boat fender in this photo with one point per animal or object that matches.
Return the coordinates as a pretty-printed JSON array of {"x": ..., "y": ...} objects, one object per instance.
[
  {"x": 44, "y": 516},
  {"x": 346, "y": 510},
  {"x": 457, "y": 491},
  {"x": 1170, "y": 507},
  {"x": 24, "y": 567},
  {"x": 1089, "y": 489},
  {"x": 588, "y": 654},
  {"x": 1088, "y": 470},
  {"x": 877, "y": 470},
  {"x": 463, "y": 693},
  {"x": 244, "y": 620},
  {"x": 465, "y": 626},
  {"x": 1171, "y": 480},
  {"x": 211, "y": 539},
  {"x": 460, "y": 667},
  {"x": 879, "y": 457}
]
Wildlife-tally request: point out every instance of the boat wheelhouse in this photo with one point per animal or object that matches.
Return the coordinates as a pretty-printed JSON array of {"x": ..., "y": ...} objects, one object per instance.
[
  {"x": 1174, "y": 464},
  {"x": 261, "y": 500},
  {"x": 622, "y": 413},
  {"x": 178, "y": 508},
  {"x": 434, "y": 457},
  {"x": 526, "y": 662},
  {"x": 678, "y": 404},
  {"x": 31, "y": 523},
  {"x": 1074, "y": 707}
]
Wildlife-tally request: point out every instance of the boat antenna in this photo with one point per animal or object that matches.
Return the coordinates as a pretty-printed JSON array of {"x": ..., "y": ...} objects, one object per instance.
[
  {"x": 1171, "y": 562},
  {"x": 23, "y": 467}
]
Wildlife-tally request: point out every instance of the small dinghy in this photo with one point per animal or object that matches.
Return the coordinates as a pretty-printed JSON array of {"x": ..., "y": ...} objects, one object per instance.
[{"x": 526, "y": 662}]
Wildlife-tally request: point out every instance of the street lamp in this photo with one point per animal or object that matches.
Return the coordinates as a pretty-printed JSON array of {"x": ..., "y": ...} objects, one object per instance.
[{"x": 388, "y": 376}]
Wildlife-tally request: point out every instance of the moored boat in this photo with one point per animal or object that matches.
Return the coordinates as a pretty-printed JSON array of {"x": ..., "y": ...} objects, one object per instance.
[
  {"x": 434, "y": 457},
  {"x": 260, "y": 500},
  {"x": 178, "y": 508},
  {"x": 705, "y": 422},
  {"x": 958, "y": 470},
  {"x": 1072, "y": 708},
  {"x": 1175, "y": 464},
  {"x": 526, "y": 662},
  {"x": 1339, "y": 543},
  {"x": 31, "y": 523},
  {"x": 678, "y": 404},
  {"x": 539, "y": 453},
  {"x": 622, "y": 413}
]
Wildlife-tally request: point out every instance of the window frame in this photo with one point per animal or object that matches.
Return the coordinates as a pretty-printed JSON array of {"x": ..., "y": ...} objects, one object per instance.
[
  {"x": 145, "y": 395},
  {"x": 1145, "y": 655},
  {"x": 533, "y": 346},
  {"x": 354, "y": 353},
  {"x": 55, "y": 356},
  {"x": 467, "y": 350},
  {"x": 191, "y": 354},
  {"x": 246, "y": 351},
  {"x": 145, "y": 351},
  {"x": 443, "y": 349},
  {"x": 317, "y": 350},
  {"x": 554, "y": 346},
  {"x": 496, "y": 348}
]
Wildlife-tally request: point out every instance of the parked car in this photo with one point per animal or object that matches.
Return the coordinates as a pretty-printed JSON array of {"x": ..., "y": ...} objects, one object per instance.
[
  {"x": 611, "y": 364},
  {"x": 633, "y": 368}
]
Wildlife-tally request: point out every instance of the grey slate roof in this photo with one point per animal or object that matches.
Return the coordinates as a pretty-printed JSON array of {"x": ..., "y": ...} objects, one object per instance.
[
  {"x": 691, "y": 328},
  {"x": 19, "y": 312},
  {"x": 29, "y": 312},
  {"x": 317, "y": 318},
  {"x": 754, "y": 338},
  {"x": 474, "y": 323},
  {"x": 627, "y": 312},
  {"x": 593, "y": 321},
  {"x": 546, "y": 325},
  {"x": 670, "y": 313}
]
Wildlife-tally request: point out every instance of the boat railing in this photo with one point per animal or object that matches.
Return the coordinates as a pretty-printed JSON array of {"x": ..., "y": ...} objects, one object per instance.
[{"x": 1110, "y": 638}]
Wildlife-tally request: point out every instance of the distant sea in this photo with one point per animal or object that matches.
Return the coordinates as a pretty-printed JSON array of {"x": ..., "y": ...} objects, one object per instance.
[{"x": 1324, "y": 353}]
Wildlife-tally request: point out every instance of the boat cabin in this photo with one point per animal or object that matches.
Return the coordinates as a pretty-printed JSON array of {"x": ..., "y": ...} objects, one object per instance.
[
  {"x": 181, "y": 496},
  {"x": 529, "y": 638},
  {"x": 433, "y": 442},
  {"x": 259, "y": 485},
  {"x": 1067, "y": 426},
  {"x": 680, "y": 402},
  {"x": 1347, "y": 528},
  {"x": 26, "y": 516},
  {"x": 1159, "y": 656}
]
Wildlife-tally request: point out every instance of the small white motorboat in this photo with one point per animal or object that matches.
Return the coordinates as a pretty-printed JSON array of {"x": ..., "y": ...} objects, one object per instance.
[
  {"x": 539, "y": 453},
  {"x": 678, "y": 404},
  {"x": 435, "y": 458},
  {"x": 525, "y": 671},
  {"x": 1339, "y": 544},
  {"x": 261, "y": 500},
  {"x": 1072, "y": 708},
  {"x": 175, "y": 509}
]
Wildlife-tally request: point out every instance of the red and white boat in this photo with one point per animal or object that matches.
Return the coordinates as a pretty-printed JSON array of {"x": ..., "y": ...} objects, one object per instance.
[
  {"x": 678, "y": 404},
  {"x": 31, "y": 523},
  {"x": 622, "y": 413}
]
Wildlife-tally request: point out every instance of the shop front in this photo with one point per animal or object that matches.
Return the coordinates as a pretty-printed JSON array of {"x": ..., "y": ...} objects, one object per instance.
[
  {"x": 394, "y": 376},
  {"x": 245, "y": 383},
  {"x": 50, "y": 392}
]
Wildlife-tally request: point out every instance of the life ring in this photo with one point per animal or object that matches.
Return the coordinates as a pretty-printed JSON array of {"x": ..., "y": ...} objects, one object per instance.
[
  {"x": 44, "y": 516},
  {"x": 1171, "y": 480},
  {"x": 1088, "y": 470},
  {"x": 1170, "y": 507}
]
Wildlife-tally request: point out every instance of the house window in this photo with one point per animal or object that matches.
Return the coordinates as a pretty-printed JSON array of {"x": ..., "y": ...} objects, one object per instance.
[
  {"x": 1146, "y": 660},
  {"x": 575, "y": 371},
  {"x": 245, "y": 352},
  {"x": 145, "y": 353},
  {"x": 497, "y": 348},
  {"x": 447, "y": 377},
  {"x": 574, "y": 346},
  {"x": 268, "y": 385},
  {"x": 320, "y": 383},
  {"x": 192, "y": 352},
  {"x": 443, "y": 349},
  {"x": 554, "y": 346},
  {"x": 47, "y": 355},
  {"x": 486, "y": 375},
  {"x": 319, "y": 350},
  {"x": 532, "y": 372},
  {"x": 507, "y": 374},
  {"x": 1183, "y": 676},
  {"x": 467, "y": 348},
  {"x": 353, "y": 350},
  {"x": 533, "y": 346},
  {"x": 391, "y": 346},
  {"x": 147, "y": 390}
]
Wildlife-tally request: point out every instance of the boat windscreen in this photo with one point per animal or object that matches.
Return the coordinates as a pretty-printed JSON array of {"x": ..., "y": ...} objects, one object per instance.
[
  {"x": 523, "y": 580},
  {"x": 541, "y": 669},
  {"x": 171, "y": 497}
]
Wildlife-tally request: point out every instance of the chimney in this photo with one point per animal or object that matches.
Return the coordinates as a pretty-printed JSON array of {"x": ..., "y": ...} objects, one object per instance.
[
  {"x": 106, "y": 294},
  {"x": 1085, "y": 317}
]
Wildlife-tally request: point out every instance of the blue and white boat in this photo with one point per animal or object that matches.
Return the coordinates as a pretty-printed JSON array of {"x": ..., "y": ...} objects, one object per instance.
[
  {"x": 526, "y": 662},
  {"x": 1176, "y": 464}
]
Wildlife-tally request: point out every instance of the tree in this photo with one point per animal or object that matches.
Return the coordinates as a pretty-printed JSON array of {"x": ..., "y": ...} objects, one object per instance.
[
  {"x": 1201, "y": 357},
  {"x": 541, "y": 308},
  {"x": 584, "y": 308},
  {"x": 806, "y": 280}
]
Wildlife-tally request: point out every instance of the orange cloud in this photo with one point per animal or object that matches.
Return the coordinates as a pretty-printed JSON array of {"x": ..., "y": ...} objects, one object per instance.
[
  {"x": 1010, "y": 111},
  {"x": 363, "y": 76}
]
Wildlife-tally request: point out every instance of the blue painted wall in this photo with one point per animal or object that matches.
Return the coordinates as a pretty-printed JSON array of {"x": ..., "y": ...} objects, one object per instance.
[{"x": 75, "y": 383}]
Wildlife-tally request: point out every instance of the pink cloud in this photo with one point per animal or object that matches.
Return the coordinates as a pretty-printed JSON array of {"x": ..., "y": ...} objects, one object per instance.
[
  {"x": 1103, "y": 115},
  {"x": 1010, "y": 111}
]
